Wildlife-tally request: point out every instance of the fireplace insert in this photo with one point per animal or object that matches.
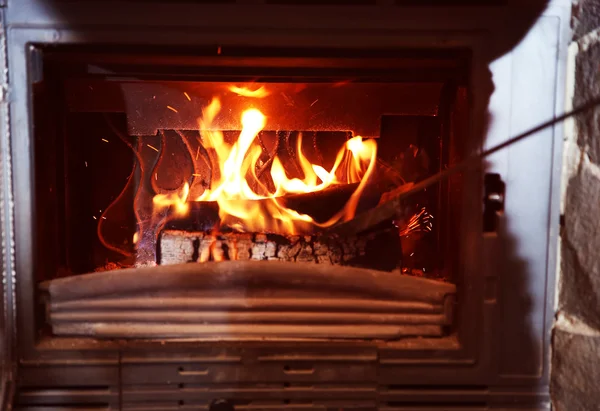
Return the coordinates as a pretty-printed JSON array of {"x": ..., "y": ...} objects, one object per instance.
[
  {"x": 230, "y": 213},
  {"x": 271, "y": 167}
]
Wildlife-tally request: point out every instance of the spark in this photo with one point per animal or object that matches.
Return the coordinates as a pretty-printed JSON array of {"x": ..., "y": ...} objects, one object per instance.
[
  {"x": 172, "y": 109},
  {"x": 94, "y": 217},
  {"x": 197, "y": 175},
  {"x": 105, "y": 140},
  {"x": 411, "y": 254},
  {"x": 420, "y": 222},
  {"x": 187, "y": 96},
  {"x": 85, "y": 163},
  {"x": 197, "y": 152},
  {"x": 219, "y": 50},
  {"x": 104, "y": 218},
  {"x": 156, "y": 176},
  {"x": 314, "y": 102},
  {"x": 152, "y": 147}
]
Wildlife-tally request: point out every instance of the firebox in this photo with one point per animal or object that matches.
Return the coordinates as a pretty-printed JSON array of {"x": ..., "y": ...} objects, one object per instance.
[
  {"x": 268, "y": 171},
  {"x": 243, "y": 211}
]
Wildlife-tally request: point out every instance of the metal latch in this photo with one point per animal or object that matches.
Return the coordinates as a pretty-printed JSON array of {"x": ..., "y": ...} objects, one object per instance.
[{"x": 493, "y": 201}]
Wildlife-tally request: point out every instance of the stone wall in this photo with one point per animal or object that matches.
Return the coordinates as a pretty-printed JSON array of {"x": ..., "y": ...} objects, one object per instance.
[{"x": 575, "y": 374}]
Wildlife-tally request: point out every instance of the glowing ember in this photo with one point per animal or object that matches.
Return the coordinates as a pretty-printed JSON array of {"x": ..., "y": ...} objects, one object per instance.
[{"x": 245, "y": 202}]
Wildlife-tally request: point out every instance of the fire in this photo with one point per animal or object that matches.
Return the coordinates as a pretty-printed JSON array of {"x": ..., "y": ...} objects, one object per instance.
[
  {"x": 245, "y": 203},
  {"x": 178, "y": 200},
  {"x": 245, "y": 92}
]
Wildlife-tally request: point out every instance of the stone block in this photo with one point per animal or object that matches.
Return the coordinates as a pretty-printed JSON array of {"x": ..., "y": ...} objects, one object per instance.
[
  {"x": 580, "y": 266},
  {"x": 585, "y": 17},
  {"x": 587, "y": 87},
  {"x": 575, "y": 371}
]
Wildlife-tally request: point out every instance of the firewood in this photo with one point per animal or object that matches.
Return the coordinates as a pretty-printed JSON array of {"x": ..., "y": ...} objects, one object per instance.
[
  {"x": 392, "y": 204},
  {"x": 189, "y": 239},
  {"x": 181, "y": 246},
  {"x": 320, "y": 205}
]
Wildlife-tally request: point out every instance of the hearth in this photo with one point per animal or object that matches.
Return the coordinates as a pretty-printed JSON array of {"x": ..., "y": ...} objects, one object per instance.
[{"x": 231, "y": 214}]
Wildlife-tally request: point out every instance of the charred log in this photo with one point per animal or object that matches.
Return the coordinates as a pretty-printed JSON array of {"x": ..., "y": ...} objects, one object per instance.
[
  {"x": 392, "y": 205},
  {"x": 320, "y": 205}
]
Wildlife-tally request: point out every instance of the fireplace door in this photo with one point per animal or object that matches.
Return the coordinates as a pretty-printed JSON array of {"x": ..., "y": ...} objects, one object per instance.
[{"x": 244, "y": 193}]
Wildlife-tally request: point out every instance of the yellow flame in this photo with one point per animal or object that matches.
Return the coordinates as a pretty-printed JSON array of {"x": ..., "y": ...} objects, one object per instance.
[
  {"x": 246, "y": 92},
  {"x": 239, "y": 207},
  {"x": 178, "y": 200}
]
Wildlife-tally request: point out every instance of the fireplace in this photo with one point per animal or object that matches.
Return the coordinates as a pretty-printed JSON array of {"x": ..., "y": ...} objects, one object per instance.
[
  {"x": 194, "y": 171},
  {"x": 235, "y": 216}
]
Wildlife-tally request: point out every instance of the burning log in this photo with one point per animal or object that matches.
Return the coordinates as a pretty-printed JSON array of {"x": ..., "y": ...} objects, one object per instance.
[
  {"x": 177, "y": 247},
  {"x": 392, "y": 205},
  {"x": 192, "y": 238},
  {"x": 371, "y": 245},
  {"x": 320, "y": 205}
]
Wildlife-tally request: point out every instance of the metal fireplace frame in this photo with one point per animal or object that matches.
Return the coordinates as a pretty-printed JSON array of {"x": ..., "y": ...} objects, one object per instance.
[{"x": 499, "y": 360}]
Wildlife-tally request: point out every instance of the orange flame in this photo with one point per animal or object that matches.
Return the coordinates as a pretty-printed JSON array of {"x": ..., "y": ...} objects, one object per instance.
[
  {"x": 178, "y": 200},
  {"x": 239, "y": 207},
  {"x": 245, "y": 92}
]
